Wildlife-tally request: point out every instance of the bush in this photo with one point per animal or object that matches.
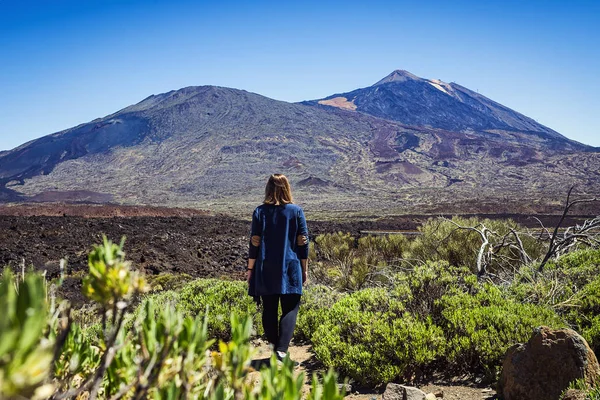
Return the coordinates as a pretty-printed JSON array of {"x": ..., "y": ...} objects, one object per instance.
[
  {"x": 549, "y": 288},
  {"x": 337, "y": 254},
  {"x": 167, "y": 281},
  {"x": 561, "y": 283},
  {"x": 578, "y": 267},
  {"x": 221, "y": 298},
  {"x": 168, "y": 299},
  {"x": 442, "y": 240},
  {"x": 388, "y": 248},
  {"x": 585, "y": 316},
  {"x": 421, "y": 287},
  {"x": 335, "y": 246},
  {"x": 591, "y": 333},
  {"x": 571, "y": 285},
  {"x": 316, "y": 302},
  {"x": 581, "y": 387},
  {"x": 369, "y": 337},
  {"x": 480, "y": 327},
  {"x": 349, "y": 264}
]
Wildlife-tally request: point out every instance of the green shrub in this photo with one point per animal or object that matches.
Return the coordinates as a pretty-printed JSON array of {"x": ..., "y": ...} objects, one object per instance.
[
  {"x": 161, "y": 300},
  {"x": 590, "y": 298},
  {"x": 87, "y": 315},
  {"x": 316, "y": 302},
  {"x": 440, "y": 240},
  {"x": 578, "y": 267},
  {"x": 443, "y": 240},
  {"x": 167, "y": 281},
  {"x": 480, "y": 327},
  {"x": 80, "y": 355},
  {"x": 349, "y": 264},
  {"x": 388, "y": 248},
  {"x": 560, "y": 280},
  {"x": 590, "y": 392},
  {"x": 591, "y": 333},
  {"x": 421, "y": 287},
  {"x": 335, "y": 246},
  {"x": 561, "y": 283},
  {"x": 549, "y": 288},
  {"x": 585, "y": 316},
  {"x": 358, "y": 272},
  {"x": 222, "y": 298},
  {"x": 25, "y": 352},
  {"x": 369, "y": 337},
  {"x": 570, "y": 285},
  {"x": 337, "y": 254}
]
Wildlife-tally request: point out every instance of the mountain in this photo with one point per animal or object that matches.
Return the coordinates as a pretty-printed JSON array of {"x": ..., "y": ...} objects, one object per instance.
[
  {"x": 214, "y": 147},
  {"x": 406, "y": 98}
]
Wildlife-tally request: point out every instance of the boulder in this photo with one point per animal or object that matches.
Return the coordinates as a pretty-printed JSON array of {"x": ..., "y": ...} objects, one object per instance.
[
  {"x": 394, "y": 391},
  {"x": 542, "y": 368}
]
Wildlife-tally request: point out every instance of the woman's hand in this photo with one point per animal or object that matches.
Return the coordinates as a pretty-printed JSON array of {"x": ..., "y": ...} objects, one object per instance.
[
  {"x": 304, "y": 266},
  {"x": 250, "y": 268}
]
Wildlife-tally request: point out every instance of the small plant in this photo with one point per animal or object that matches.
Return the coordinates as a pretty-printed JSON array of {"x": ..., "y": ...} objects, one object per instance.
[
  {"x": 579, "y": 385},
  {"x": 335, "y": 246},
  {"x": 26, "y": 353},
  {"x": 110, "y": 279}
]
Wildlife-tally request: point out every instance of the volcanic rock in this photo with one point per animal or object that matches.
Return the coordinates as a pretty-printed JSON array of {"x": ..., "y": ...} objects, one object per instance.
[{"x": 542, "y": 368}]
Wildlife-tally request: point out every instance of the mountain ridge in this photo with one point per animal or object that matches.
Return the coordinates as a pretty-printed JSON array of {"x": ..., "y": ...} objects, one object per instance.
[
  {"x": 394, "y": 97},
  {"x": 212, "y": 147}
]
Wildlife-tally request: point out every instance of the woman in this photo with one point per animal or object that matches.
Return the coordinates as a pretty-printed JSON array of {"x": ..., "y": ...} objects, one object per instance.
[{"x": 278, "y": 261}]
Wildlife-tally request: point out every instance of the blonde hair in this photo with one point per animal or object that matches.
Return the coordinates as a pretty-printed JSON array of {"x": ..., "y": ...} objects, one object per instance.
[{"x": 278, "y": 190}]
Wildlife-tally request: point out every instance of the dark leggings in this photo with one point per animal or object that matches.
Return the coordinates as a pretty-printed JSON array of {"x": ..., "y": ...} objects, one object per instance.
[{"x": 280, "y": 334}]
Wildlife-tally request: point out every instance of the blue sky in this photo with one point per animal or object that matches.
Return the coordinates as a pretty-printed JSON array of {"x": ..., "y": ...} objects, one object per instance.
[{"x": 65, "y": 62}]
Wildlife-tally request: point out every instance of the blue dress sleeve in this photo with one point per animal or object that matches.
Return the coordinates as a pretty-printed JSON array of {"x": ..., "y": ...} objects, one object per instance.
[
  {"x": 302, "y": 231},
  {"x": 255, "y": 230}
]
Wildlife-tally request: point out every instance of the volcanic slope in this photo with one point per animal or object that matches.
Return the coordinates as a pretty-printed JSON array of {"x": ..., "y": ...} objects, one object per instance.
[
  {"x": 213, "y": 147},
  {"x": 411, "y": 100}
]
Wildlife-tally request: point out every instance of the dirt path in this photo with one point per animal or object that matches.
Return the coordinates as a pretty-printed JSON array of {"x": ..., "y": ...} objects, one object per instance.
[{"x": 309, "y": 364}]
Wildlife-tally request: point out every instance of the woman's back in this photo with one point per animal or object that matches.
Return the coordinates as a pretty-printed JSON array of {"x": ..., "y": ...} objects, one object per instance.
[{"x": 275, "y": 228}]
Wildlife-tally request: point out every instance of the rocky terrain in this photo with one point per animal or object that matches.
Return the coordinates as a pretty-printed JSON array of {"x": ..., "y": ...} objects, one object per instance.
[{"x": 406, "y": 145}]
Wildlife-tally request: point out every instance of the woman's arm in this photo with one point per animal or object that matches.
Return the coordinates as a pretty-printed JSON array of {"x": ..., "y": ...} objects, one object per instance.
[
  {"x": 254, "y": 246},
  {"x": 250, "y": 269},
  {"x": 303, "y": 244},
  {"x": 304, "y": 264}
]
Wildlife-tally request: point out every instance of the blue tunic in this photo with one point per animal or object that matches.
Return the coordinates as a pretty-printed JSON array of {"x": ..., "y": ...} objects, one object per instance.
[{"x": 277, "y": 269}]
